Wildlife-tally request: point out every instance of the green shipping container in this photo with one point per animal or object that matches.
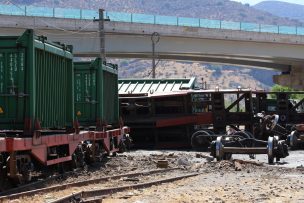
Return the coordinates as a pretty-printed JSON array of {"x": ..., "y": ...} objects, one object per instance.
[
  {"x": 96, "y": 93},
  {"x": 36, "y": 84}
]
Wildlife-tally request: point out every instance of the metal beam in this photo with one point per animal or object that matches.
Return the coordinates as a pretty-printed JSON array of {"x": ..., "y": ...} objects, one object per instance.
[{"x": 181, "y": 57}]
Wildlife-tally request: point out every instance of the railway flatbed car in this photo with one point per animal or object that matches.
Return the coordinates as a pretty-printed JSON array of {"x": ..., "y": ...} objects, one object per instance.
[{"x": 39, "y": 127}]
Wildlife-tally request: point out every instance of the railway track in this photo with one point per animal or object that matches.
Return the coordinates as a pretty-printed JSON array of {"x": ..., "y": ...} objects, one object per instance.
[
  {"x": 102, "y": 182},
  {"x": 99, "y": 194},
  {"x": 38, "y": 184}
]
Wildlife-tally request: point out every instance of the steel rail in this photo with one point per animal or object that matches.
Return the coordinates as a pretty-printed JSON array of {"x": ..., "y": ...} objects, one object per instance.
[
  {"x": 38, "y": 183},
  {"x": 94, "y": 195},
  {"x": 80, "y": 183}
]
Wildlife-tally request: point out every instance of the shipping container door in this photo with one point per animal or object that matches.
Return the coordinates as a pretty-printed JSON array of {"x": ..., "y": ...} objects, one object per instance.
[
  {"x": 52, "y": 77},
  {"x": 85, "y": 96},
  {"x": 110, "y": 99},
  {"x": 12, "y": 90}
]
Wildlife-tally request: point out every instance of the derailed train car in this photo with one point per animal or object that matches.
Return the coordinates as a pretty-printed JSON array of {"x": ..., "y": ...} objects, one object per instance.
[
  {"x": 39, "y": 125},
  {"x": 160, "y": 112},
  {"x": 171, "y": 117},
  {"x": 186, "y": 117},
  {"x": 225, "y": 122}
]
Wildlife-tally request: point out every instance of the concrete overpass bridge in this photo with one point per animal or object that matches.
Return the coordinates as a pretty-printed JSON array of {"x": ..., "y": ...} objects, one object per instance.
[{"x": 279, "y": 51}]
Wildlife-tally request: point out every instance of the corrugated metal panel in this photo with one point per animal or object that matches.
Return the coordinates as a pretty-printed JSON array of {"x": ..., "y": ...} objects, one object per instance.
[
  {"x": 36, "y": 83},
  {"x": 53, "y": 77},
  {"x": 111, "y": 105},
  {"x": 150, "y": 86},
  {"x": 96, "y": 92}
]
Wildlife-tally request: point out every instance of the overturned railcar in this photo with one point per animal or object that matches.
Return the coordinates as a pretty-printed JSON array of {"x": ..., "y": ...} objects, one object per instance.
[
  {"x": 160, "y": 112},
  {"x": 172, "y": 113}
]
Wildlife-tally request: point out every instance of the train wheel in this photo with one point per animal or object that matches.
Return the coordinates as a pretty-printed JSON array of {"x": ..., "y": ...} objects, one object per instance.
[
  {"x": 3, "y": 178},
  {"x": 74, "y": 161},
  {"x": 270, "y": 150},
  {"x": 99, "y": 152},
  {"x": 26, "y": 177},
  {"x": 122, "y": 147},
  {"x": 128, "y": 141},
  {"x": 201, "y": 140},
  {"x": 125, "y": 143},
  {"x": 219, "y": 149},
  {"x": 78, "y": 158},
  {"x": 293, "y": 139},
  {"x": 24, "y": 168}
]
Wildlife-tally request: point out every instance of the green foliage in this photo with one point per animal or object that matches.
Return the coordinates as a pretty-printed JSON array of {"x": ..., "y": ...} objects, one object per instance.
[{"x": 279, "y": 88}]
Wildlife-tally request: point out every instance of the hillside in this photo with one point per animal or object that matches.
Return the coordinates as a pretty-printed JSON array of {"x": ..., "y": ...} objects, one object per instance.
[
  {"x": 214, "y": 75},
  {"x": 210, "y": 9},
  {"x": 282, "y": 9},
  {"x": 223, "y": 76}
]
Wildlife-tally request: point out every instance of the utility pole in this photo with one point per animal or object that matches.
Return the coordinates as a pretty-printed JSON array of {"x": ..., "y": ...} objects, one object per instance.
[
  {"x": 102, "y": 55},
  {"x": 102, "y": 42},
  {"x": 155, "y": 39}
]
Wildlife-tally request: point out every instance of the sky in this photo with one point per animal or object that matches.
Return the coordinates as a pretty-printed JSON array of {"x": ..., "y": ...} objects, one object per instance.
[{"x": 253, "y": 2}]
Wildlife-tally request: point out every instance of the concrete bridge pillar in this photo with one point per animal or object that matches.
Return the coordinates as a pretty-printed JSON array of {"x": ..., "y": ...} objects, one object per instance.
[{"x": 293, "y": 79}]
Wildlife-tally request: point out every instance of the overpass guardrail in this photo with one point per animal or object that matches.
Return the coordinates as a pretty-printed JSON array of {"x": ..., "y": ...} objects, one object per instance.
[{"x": 21, "y": 10}]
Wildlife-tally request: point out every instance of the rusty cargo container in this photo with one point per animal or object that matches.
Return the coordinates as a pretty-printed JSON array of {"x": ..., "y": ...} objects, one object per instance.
[
  {"x": 36, "y": 84},
  {"x": 96, "y": 93}
]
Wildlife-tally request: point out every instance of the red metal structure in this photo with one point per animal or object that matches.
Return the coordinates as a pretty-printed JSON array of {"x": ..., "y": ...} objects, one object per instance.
[
  {"x": 38, "y": 145},
  {"x": 18, "y": 154}
]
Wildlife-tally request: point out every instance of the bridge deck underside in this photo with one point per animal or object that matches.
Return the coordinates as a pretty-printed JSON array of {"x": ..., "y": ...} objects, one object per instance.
[{"x": 133, "y": 40}]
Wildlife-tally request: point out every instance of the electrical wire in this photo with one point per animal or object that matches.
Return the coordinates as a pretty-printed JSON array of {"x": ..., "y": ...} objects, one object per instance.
[
  {"x": 68, "y": 31},
  {"x": 87, "y": 35},
  {"x": 69, "y": 34},
  {"x": 23, "y": 9},
  {"x": 54, "y": 26},
  {"x": 10, "y": 2}
]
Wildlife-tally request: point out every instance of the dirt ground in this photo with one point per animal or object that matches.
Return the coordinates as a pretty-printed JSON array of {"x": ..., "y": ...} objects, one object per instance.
[
  {"x": 222, "y": 182},
  {"x": 225, "y": 181}
]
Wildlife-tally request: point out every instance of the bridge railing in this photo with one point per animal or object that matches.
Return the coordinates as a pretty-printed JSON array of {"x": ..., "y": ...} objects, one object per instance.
[{"x": 148, "y": 19}]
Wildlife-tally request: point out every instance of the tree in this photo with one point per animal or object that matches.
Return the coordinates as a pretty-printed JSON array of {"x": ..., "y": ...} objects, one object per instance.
[{"x": 279, "y": 88}]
